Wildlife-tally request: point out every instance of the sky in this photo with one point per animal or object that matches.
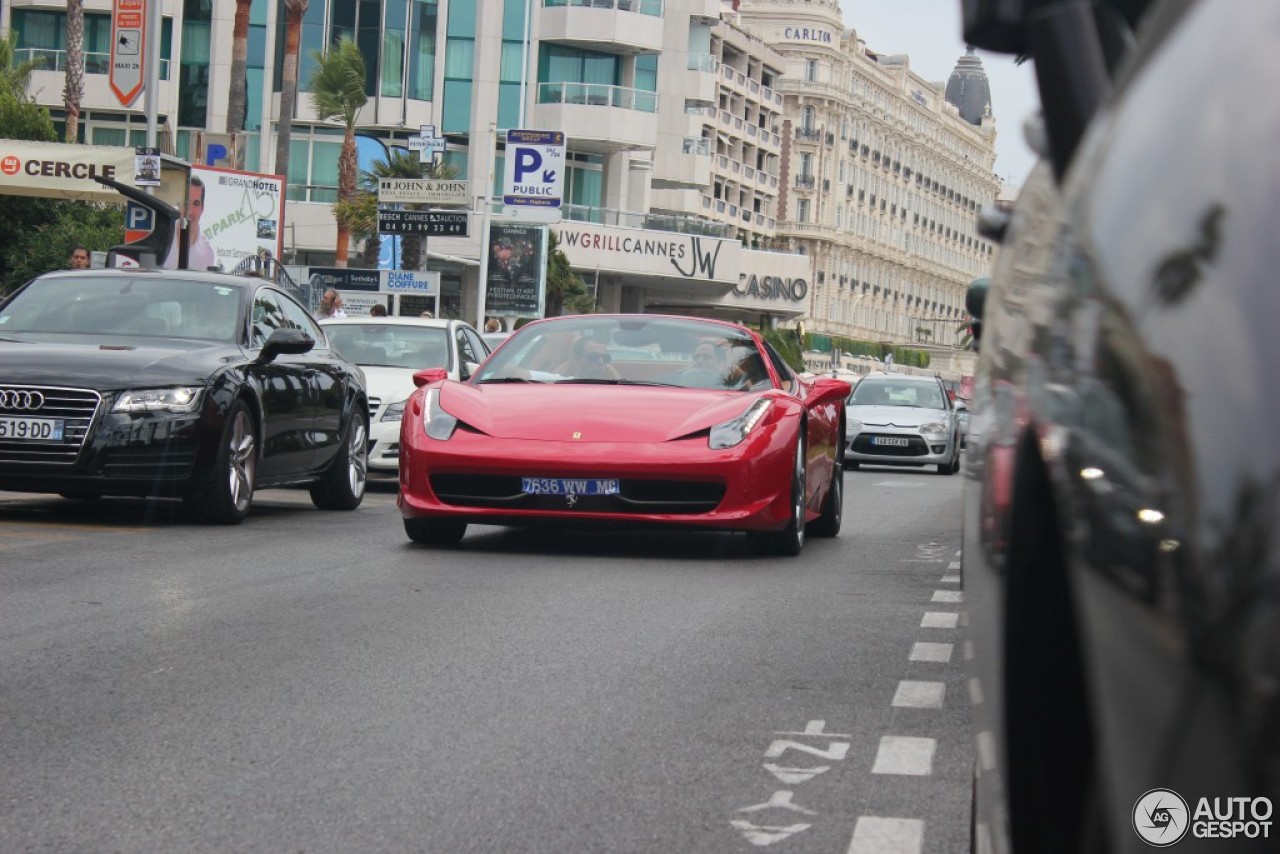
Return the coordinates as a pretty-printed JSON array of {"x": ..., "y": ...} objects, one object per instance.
[{"x": 929, "y": 32}]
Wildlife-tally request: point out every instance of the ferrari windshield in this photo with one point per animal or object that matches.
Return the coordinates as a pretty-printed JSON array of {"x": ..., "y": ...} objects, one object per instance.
[
  {"x": 629, "y": 350},
  {"x": 148, "y": 305}
]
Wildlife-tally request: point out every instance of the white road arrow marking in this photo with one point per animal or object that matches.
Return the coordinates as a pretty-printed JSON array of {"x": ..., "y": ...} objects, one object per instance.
[
  {"x": 780, "y": 799},
  {"x": 765, "y": 835},
  {"x": 835, "y": 751},
  {"x": 795, "y": 776}
]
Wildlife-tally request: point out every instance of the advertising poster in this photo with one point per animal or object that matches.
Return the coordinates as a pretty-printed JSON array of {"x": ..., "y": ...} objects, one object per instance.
[
  {"x": 233, "y": 216},
  {"x": 517, "y": 270}
]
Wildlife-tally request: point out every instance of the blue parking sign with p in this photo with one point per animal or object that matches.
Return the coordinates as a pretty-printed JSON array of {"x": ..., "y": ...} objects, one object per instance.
[
  {"x": 534, "y": 169},
  {"x": 139, "y": 221}
]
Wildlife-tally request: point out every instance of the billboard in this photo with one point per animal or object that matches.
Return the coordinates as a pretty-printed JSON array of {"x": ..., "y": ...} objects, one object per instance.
[
  {"x": 233, "y": 216},
  {"x": 516, "y": 282}
]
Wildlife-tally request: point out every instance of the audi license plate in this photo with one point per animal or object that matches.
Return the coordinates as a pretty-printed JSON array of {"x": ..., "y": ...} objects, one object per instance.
[
  {"x": 49, "y": 429},
  {"x": 567, "y": 486},
  {"x": 892, "y": 441}
]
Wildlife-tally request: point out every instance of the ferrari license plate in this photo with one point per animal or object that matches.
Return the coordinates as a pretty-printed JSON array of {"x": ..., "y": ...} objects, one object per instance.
[
  {"x": 567, "y": 486},
  {"x": 892, "y": 441},
  {"x": 31, "y": 428}
]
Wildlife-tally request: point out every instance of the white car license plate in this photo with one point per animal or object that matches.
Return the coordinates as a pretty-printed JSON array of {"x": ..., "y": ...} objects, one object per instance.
[
  {"x": 31, "y": 428},
  {"x": 568, "y": 486},
  {"x": 893, "y": 441}
]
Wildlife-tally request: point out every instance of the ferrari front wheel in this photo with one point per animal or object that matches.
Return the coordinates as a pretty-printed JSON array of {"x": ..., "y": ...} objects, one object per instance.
[
  {"x": 828, "y": 524},
  {"x": 790, "y": 540},
  {"x": 434, "y": 532}
]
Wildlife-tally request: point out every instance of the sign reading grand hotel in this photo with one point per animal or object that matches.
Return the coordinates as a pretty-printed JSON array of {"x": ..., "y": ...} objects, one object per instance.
[{"x": 424, "y": 191}]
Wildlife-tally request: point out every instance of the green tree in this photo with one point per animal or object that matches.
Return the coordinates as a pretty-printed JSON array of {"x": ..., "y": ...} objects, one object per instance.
[
  {"x": 360, "y": 213},
  {"x": 46, "y": 245},
  {"x": 15, "y": 76},
  {"x": 566, "y": 292},
  {"x": 337, "y": 93}
]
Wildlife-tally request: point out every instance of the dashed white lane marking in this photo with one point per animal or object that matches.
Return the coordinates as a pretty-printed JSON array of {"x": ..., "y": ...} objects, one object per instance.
[
  {"x": 975, "y": 692},
  {"x": 939, "y": 652},
  {"x": 900, "y": 484},
  {"x": 959, "y": 552},
  {"x": 875, "y": 835},
  {"x": 919, "y": 695},
  {"x": 902, "y": 755},
  {"x": 986, "y": 751},
  {"x": 955, "y": 564},
  {"x": 950, "y": 578},
  {"x": 954, "y": 596},
  {"x": 939, "y": 620},
  {"x": 968, "y": 650}
]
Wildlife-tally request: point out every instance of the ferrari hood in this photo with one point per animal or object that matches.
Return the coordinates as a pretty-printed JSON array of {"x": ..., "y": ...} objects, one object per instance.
[
  {"x": 896, "y": 416},
  {"x": 589, "y": 413}
]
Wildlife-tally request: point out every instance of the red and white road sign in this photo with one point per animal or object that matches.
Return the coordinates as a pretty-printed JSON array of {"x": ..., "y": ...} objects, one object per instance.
[{"x": 128, "y": 47}]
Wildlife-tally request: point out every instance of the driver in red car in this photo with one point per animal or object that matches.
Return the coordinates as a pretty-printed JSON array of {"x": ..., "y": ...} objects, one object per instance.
[{"x": 589, "y": 360}]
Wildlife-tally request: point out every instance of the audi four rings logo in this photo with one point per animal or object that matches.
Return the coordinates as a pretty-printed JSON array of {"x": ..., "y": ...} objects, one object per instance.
[{"x": 28, "y": 401}]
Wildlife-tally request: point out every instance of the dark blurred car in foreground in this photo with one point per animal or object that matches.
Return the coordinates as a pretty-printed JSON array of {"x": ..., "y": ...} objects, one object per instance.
[
  {"x": 1121, "y": 564},
  {"x": 200, "y": 386},
  {"x": 627, "y": 420}
]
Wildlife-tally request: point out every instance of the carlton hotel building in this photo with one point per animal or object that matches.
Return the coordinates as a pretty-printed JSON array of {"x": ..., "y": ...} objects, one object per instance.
[{"x": 750, "y": 160}]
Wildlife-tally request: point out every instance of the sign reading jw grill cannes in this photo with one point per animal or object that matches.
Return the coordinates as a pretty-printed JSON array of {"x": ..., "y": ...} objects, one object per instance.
[{"x": 689, "y": 258}]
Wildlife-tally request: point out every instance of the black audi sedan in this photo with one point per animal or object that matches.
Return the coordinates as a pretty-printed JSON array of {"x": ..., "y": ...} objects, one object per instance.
[
  {"x": 199, "y": 386},
  {"x": 1121, "y": 560}
]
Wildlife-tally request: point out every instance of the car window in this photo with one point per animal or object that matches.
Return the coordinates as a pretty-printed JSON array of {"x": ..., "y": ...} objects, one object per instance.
[
  {"x": 299, "y": 317},
  {"x": 470, "y": 347},
  {"x": 268, "y": 316},
  {"x": 780, "y": 365}
]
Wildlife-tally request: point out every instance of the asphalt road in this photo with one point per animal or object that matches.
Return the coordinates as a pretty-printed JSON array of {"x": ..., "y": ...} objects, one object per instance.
[{"x": 311, "y": 681}]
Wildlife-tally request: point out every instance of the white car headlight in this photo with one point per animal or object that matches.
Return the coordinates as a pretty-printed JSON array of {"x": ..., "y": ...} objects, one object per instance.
[
  {"x": 934, "y": 427},
  {"x": 852, "y": 426},
  {"x": 733, "y": 431},
  {"x": 181, "y": 399},
  {"x": 437, "y": 423},
  {"x": 394, "y": 412}
]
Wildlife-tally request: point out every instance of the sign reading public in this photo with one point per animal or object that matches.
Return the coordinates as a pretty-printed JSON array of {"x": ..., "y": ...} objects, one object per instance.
[
  {"x": 534, "y": 169},
  {"x": 424, "y": 191},
  {"x": 128, "y": 47},
  {"x": 430, "y": 223}
]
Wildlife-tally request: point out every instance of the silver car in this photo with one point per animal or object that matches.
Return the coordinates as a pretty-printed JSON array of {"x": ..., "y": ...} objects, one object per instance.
[{"x": 901, "y": 420}]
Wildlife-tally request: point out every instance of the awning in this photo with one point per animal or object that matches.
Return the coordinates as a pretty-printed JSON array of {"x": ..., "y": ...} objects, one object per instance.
[{"x": 54, "y": 170}]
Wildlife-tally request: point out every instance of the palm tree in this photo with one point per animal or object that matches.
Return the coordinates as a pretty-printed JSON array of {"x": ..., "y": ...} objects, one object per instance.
[
  {"x": 293, "y": 12},
  {"x": 237, "y": 96},
  {"x": 15, "y": 76},
  {"x": 405, "y": 164},
  {"x": 73, "y": 88},
  {"x": 337, "y": 92}
]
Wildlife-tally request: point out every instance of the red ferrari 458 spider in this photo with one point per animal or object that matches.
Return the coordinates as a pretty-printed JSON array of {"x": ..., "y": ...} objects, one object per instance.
[{"x": 627, "y": 419}]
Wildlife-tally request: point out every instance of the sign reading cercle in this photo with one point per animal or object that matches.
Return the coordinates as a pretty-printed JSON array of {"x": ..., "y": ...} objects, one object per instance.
[{"x": 128, "y": 47}]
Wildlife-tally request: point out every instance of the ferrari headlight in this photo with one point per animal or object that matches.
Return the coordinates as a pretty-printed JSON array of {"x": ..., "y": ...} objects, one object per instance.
[
  {"x": 394, "y": 412},
  {"x": 181, "y": 399},
  {"x": 732, "y": 432},
  {"x": 437, "y": 423},
  {"x": 934, "y": 427}
]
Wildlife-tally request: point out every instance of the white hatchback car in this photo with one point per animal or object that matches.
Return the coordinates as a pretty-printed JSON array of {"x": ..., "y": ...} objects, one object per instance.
[
  {"x": 901, "y": 420},
  {"x": 391, "y": 350}
]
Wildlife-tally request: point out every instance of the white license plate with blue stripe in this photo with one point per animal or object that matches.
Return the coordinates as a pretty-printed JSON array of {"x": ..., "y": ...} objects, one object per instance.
[{"x": 38, "y": 429}]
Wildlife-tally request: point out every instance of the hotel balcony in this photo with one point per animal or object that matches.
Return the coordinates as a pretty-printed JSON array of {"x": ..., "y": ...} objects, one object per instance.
[
  {"x": 621, "y": 26},
  {"x": 688, "y": 169},
  {"x": 700, "y": 79},
  {"x": 599, "y": 118}
]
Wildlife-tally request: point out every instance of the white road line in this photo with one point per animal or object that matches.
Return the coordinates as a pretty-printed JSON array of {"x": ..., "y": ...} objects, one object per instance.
[
  {"x": 876, "y": 835},
  {"x": 919, "y": 695},
  {"x": 986, "y": 751},
  {"x": 902, "y": 755},
  {"x": 950, "y": 579},
  {"x": 958, "y": 553},
  {"x": 975, "y": 692},
  {"x": 939, "y": 620},
  {"x": 947, "y": 596},
  {"x": 968, "y": 650},
  {"x": 939, "y": 652},
  {"x": 955, "y": 564},
  {"x": 900, "y": 485}
]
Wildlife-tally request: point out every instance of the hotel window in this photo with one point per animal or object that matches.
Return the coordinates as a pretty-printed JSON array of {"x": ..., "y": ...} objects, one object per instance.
[{"x": 459, "y": 64}]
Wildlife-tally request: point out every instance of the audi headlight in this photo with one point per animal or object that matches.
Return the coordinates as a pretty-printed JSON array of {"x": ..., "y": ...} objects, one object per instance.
[
  {"x": 181, "y": 399},
  {"x": 394, "y": 412},
  {"x": 934, "y": 427},
  {"x": 733, "y": 431},
  {"x": 437, "y": 423}
]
